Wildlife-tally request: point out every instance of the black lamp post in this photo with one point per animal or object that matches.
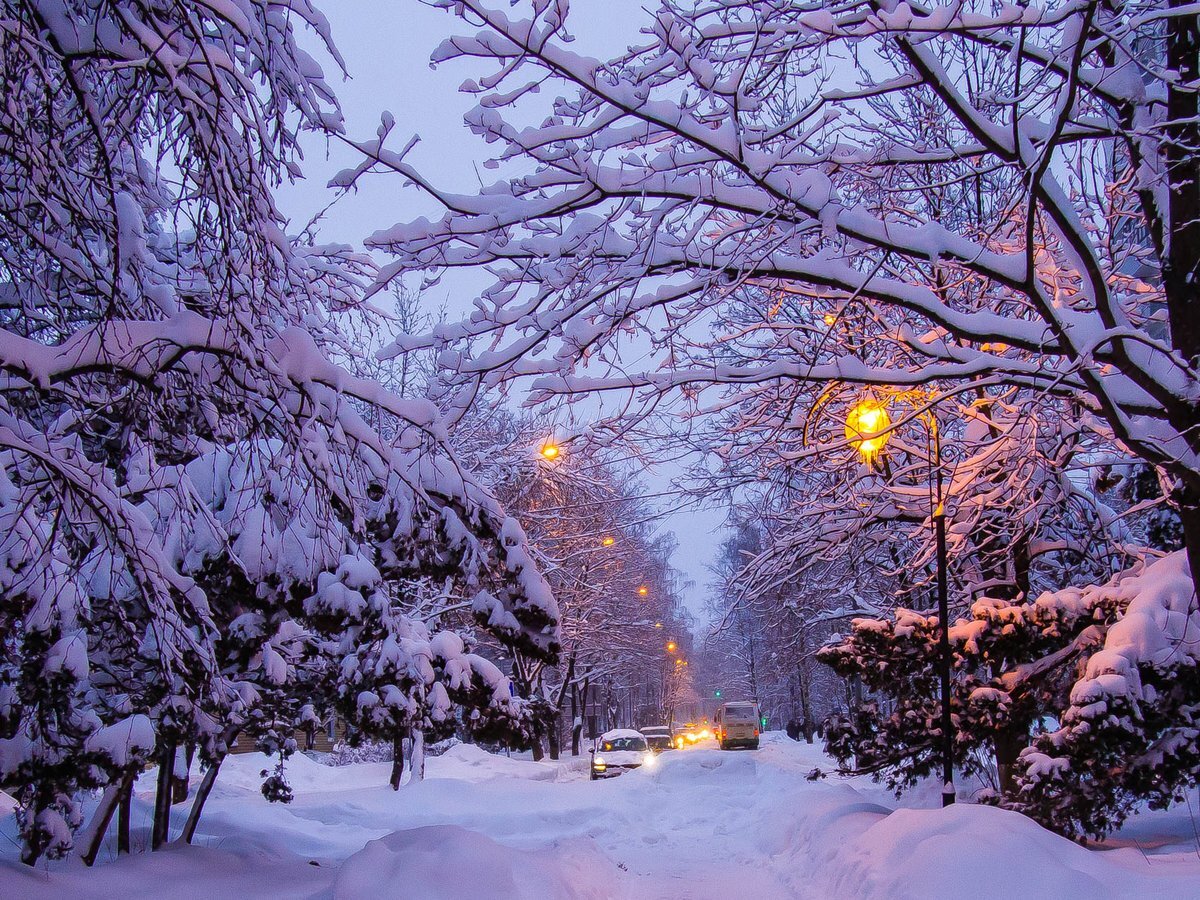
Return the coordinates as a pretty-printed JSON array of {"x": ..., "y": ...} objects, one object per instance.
[{"x": 868, "y": 427}]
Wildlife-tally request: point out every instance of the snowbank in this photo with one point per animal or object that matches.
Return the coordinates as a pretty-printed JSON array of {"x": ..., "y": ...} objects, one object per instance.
[
  {"x": 447, "y": 862},
  {"x": 701, "y": 824}
]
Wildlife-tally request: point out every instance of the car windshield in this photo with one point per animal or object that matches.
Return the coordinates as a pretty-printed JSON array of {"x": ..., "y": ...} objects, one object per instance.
[
  {"x": 625, "y": 743},
  {"x": 658, "y": 740}
]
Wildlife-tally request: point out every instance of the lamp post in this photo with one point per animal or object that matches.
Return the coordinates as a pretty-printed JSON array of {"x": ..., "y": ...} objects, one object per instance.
[{"x": 868, "y": 429}]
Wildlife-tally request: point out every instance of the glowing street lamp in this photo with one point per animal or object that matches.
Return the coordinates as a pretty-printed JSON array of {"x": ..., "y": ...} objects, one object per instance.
[
  {"x": 550, "y": 450},
  {"x": 680, "y": 662},
  {"x": 643, "y": 591},
  {"x": 671, "y": 645},
  {"x": 867, "y": 426},
  {"x": 867, "y": 430},
  {"x": 608, "y": 541},
  {"x": 658, "y": 624}
]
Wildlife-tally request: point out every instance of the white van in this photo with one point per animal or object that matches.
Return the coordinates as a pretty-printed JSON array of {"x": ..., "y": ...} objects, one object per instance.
[{"x": 737, "y": 725}]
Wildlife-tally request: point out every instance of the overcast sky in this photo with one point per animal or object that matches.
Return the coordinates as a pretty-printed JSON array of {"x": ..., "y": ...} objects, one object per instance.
[{"x": 386, "y": 47}]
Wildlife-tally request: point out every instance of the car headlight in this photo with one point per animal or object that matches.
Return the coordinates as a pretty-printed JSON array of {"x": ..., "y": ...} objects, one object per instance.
[
  {"x": 598, "y": 762},
  {"x": 649, "y": 759}
]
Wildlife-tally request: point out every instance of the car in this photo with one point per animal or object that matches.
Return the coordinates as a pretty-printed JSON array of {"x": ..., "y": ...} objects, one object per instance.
[
  {"x": 658, "y": 737},
  {"x": 691, "y": 733},
  {"x": 618, "y": 751},
  {"x": 737, "y": 725}
]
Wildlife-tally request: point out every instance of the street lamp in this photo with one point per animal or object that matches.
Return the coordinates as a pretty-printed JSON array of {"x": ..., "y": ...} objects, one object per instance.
[
  {"x": 643, "y": 591},
  {"x": 671, "y": 646},
  {"x": 608, "y": 541},
  {"x": 868, "y": 429},
  {"x": 550, "y": 450}
]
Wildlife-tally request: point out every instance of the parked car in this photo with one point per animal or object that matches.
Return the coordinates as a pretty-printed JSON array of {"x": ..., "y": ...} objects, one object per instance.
[
  {"x": 737, "y": 725},
  {"x": 618, "y": 751},
  {"x": 658, "y": 737}
]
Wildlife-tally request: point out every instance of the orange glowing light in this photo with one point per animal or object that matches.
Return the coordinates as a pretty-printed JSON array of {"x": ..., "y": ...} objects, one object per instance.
[
  {"x": 671, "y": 646},
  {"x": 867, "y": 425},
  {"x": 550, "y": 450},
  {"x": 643, "y": 591},
  {"x": 609, "y": 541}
]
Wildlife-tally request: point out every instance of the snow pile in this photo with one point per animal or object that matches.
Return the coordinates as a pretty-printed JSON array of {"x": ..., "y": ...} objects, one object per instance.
[
  {"x": 702, "y": 824},
  {"x": 448, "y": 862}
]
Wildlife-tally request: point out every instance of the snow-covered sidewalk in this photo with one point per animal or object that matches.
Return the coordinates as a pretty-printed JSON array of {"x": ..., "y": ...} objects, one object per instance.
[{"x": 701, "y": 823}]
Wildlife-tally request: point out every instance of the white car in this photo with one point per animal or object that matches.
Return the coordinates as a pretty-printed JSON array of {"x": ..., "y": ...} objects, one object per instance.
[{"x": 619, "y": 751}]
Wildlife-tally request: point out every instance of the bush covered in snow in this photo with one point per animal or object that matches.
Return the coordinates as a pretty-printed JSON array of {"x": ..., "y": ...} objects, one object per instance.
[{"x": 1115, "y": 664}]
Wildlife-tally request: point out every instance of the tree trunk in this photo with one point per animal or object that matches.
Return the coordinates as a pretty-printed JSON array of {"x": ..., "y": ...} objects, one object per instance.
[
  {"x": 228, "y": 738},
  {"x": 1008, "y": 745},
  {"x": 397, "y": 760},
  {"x": 183, "y": 767},
  {"x": 576, "y": 721},
  {"x": 418, "y": 756},
  {"x": 93, "y": 836},
  {"x": 806, "y": 716},
  {"x": 1181, "y": 269},
  {"x": 538, "y": 752},
  {"x": 206, "y": 785},
  {"x": 161, "y": 828},
  {"x": 124, "y": 815},
  {"x": 1188, "y": 505},
  {"x": 552, "y": 736}
]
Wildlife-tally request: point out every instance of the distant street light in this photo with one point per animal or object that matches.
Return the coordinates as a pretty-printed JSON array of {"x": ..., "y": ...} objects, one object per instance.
[
  {"x": 671, "y": 645},
  {"x": 643, "y": 591},
  {"x": 680, "y": 662},
  {"x": 550, "y": 450},
  {"x": 608, "y": 541},
  {"x": 658, "y": 624}
]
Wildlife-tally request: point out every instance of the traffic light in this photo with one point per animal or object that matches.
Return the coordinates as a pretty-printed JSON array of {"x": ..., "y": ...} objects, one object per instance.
[
  {"x": 764, "y": 723},
  {"x": 717, "y": 693}
]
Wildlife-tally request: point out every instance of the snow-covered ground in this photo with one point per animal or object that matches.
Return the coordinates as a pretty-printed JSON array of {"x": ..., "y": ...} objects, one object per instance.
[{"x": 701, "y": 823}]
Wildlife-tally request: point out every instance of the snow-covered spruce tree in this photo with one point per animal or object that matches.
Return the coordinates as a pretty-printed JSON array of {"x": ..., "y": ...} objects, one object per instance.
[
  {"x": 155, "y": 321},
  {"x": 1128, "y": 728},
  {"x": 1014, "y": 663}
]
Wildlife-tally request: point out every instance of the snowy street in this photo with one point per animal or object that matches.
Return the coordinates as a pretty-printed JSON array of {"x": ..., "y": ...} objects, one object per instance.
[{"x": 701, "y": 823}]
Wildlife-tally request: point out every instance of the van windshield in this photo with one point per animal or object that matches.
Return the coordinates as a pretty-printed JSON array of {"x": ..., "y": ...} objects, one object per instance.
[{"x": 740, "y": 714}]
